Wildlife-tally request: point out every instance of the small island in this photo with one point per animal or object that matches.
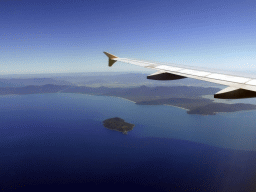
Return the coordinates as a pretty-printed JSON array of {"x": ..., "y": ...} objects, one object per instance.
[{"x": 118, "y": 124}]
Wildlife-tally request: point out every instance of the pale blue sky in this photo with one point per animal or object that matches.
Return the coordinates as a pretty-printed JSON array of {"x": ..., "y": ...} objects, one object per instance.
[{"x": 70, "y": 36}]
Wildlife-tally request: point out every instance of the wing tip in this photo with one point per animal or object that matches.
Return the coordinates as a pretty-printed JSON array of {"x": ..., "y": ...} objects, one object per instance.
[{"x": 111, "y": 57}]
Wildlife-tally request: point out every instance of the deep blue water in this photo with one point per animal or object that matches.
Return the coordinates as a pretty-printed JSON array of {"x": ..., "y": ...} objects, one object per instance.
[{"x": 57, "y": 142}]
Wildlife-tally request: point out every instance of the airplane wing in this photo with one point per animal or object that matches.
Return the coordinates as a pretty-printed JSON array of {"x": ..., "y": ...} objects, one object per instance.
[{"x": 238, "y": 86}]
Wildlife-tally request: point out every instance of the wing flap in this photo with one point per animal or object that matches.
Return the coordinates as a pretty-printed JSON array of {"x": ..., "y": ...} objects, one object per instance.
[
  {"x": 234, "y": 93},
  {"x": 162, "y": 76}
]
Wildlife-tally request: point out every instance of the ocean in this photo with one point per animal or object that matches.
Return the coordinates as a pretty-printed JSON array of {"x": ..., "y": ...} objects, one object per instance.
[{"x": 57, "y": 142}]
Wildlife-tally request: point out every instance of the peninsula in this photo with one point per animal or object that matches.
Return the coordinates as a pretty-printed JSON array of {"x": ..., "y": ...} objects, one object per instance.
[{"x": 118, "y": 124}]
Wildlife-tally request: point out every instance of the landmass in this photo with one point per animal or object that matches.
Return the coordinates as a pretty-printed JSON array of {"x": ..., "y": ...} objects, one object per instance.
[
  {"x": 118, "y": 124},
  {"x": 186, "y": 97}
]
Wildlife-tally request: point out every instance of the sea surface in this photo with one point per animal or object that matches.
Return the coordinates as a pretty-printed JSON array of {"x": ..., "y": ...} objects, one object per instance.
[{"x": 57, "y": 142}]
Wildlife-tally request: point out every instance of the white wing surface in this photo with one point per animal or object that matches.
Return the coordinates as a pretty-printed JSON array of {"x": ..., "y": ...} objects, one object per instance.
[{"x": 238, "y": 86}]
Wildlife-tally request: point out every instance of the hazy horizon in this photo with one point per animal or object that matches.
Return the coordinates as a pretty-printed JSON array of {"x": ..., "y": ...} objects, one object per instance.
[{"x": 62, "y": 36}]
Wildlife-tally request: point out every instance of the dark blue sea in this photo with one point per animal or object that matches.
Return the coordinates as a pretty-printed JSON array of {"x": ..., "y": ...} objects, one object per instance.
[{"x": 56, "y": 142}]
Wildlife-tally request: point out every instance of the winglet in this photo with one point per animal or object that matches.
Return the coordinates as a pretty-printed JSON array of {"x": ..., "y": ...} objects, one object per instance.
[{"x": 111, "y": 57}]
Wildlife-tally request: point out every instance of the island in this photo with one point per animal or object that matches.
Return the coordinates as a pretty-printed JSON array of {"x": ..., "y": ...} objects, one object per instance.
[{"x": 118, "y": 124}]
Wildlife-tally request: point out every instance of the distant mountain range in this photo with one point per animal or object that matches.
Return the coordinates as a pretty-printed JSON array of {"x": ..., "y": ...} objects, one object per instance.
[
  {"x": 187, "y": 93},
  {"x": 32, "y": 89},
  {"x": 97, "y": 80},
  {"x": 18, "y": 82}
]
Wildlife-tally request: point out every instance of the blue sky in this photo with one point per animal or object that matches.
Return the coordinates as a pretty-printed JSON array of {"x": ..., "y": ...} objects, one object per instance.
[{"x": 69, "y": 36}]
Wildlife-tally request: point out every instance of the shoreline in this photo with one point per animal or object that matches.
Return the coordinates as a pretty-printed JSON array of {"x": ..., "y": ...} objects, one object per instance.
[
  {"x": 215, "y": 113},
  {"x": 119, "y": 98},
  {"x": 125, "y": 132},
  {"x": 103, "y": 96},
  {"x": 176, "y": 106}
]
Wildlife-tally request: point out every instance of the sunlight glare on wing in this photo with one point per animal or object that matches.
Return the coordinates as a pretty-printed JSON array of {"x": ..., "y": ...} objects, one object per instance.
[
  {"x": 228, "y": 78},
  {"x": 193, "y": 72},
  {"x": 168, "y": 68}
]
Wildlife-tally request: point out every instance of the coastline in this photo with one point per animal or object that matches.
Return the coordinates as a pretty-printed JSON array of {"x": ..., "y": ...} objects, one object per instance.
[
  {"x": 215, "y": 113},
  {"x": 119, "y": 98},
  {"x": 125, "y": 133},
  {"x": 105, "y": 96},
  {"x": 176, "y": 106},
  {"x": 242, "y": 111}
]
